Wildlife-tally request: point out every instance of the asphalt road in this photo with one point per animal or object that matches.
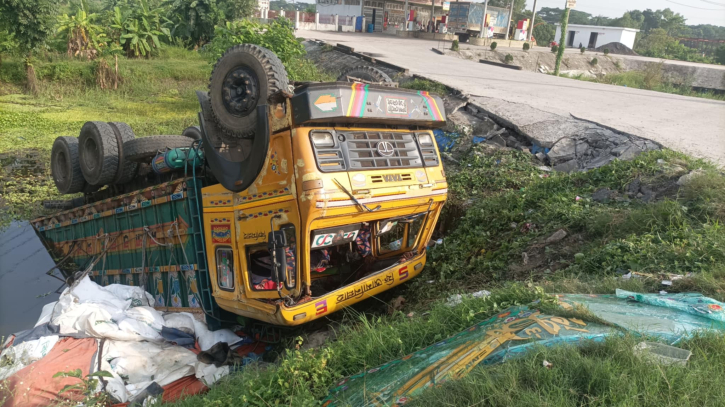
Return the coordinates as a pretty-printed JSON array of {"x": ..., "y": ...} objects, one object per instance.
[{"x": 695, "y": 126}]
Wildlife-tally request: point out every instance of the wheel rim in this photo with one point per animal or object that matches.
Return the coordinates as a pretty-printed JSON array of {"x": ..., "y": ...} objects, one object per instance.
[
  {"x": 240, "y": 91},
  {"x": 91, "y": 156}
]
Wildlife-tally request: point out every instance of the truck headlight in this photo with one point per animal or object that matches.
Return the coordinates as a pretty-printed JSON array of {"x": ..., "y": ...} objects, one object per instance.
[
  {"x": 323, "y": 140},
  {"x": 425, "y": 140}
]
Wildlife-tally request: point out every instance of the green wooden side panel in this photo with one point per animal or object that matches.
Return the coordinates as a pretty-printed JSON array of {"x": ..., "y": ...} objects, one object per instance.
[{"x": 153, "y": 239}]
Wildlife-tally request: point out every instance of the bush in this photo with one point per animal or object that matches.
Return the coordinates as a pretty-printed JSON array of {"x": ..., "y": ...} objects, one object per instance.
[
  {"x": 606, "y": 51},
  {"x": 278, "y": 36},
  {"x": 594, "y": 61},
  {"x": 493, "y": 46},
  {"x": 582, "y": 49},
  {"x": 509, "y": 58},
  {"x": 555, "y": 48},
  {"x": 527, "y": 46},
  {"x": 454, "y": 45}
]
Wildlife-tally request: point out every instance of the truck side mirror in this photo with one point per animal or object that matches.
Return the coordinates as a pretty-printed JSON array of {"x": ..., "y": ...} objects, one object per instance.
[{"x": 276, "y": 244}]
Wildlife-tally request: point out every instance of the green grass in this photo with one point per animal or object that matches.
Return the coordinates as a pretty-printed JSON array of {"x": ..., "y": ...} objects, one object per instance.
[
  {"x": 424, "y": 84},
  {"x": 597, "y": 374},
  {"x": 650, "y": 81}
]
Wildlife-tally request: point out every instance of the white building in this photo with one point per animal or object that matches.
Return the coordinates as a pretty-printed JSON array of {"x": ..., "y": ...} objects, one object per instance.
[
  {"x": 263, "y": 7},
  {"x": 340, "y": 7},
  {"x": 594, "y": 36}
]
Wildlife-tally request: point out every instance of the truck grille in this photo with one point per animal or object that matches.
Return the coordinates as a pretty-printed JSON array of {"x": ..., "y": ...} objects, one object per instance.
[
  {"x": 398, "y": 150},
  {"x": 373, "y": 150}
]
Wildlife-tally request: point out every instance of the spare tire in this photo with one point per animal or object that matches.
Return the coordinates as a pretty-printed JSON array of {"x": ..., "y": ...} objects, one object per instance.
[
  {"x": 192, "y": 132},
  {"x": 127, "y": 169},
  {"x": 65, "y": 166},
  {"x": 98, "y": 153},
  {"x": 244, "y": 77},
  {"x": 366, "y": 73},
  {"x": 142, "y": 150}
]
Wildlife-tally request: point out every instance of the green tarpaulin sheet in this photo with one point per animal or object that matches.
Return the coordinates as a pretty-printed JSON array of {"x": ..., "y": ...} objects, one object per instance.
[{"x": 516, "y": 330}]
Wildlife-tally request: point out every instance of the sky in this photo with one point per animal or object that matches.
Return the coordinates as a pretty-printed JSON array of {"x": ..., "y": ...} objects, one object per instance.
[{"x": 692, "y": 10}]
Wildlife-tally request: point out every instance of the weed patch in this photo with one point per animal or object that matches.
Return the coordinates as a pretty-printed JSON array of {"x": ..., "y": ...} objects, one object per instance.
[{"x": 599, "y": 374}]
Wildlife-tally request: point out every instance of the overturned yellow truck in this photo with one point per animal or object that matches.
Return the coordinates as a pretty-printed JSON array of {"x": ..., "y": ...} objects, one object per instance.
[{"x": 287, "y": 203}]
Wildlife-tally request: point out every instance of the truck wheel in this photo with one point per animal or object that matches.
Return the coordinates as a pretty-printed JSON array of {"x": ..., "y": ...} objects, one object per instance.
[
  {"x": 142, "y": 150},
  {"x": 98, "y": 153},
  {"x": 192, "y": 132},
  {"x": 126, "y": 169},
  {"x": 366, "y": 73},
  {"x": 244, "y": 77},
  {"x": 65, "y": 166}
]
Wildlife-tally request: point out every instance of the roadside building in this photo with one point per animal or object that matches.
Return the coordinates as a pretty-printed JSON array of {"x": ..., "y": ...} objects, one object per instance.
[
  {"x": 263, "y": 7},
  {"x": 383, "y": 13},
  {"x": 593, "y": 36}
]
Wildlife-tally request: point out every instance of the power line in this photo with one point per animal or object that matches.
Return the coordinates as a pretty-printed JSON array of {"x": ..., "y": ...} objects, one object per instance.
[
  {"x": 699, "y": 8},
  {"x": 712, "y": 2}
]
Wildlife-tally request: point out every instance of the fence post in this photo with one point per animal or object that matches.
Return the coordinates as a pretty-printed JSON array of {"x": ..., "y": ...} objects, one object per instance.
[
  {"x": 337, "y": 20},
  {"x": 297, "y": 20},
  {"x": 363, "y": 24},
  {"x": 317, "y": 21}
]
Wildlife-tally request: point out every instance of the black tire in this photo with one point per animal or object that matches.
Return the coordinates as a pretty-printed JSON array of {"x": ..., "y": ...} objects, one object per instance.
[
  {"x": 192, "y": 132},
  {"x": 244, "y": 77},
  {"x": 98, "y": 153},
  {"x": 126, "y": 169},
  {"x": 65, "y": 166},
  {"x": 142, "y": 150},
  {"x": 366, "y": 73}
]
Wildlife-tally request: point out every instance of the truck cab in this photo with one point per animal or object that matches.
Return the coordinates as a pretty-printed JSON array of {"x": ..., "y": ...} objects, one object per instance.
[{"x": 351, "y": 186}]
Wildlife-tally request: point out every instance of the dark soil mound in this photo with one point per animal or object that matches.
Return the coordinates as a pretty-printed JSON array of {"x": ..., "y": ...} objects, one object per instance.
[{"x": 616, "y": 48}]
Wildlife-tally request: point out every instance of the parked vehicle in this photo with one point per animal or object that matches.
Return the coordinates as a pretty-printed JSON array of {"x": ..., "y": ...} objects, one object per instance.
[
  {"x": 465, "y": 20},
  {"x": 286, "y": 204}
]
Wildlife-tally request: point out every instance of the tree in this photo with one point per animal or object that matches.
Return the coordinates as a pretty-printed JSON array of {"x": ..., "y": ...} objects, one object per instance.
[
  {"x": 311, "y": 8},
  {"x": 544, "y": 34},
  {"x": 720, "y": 55},
  {"x": 83, "y": 37},
  {"x": 31, "y": 22},
  {"x": 239, "y": 9},
  {"x": 194, "y": 20},
  {"x": 7, "y": 44}
]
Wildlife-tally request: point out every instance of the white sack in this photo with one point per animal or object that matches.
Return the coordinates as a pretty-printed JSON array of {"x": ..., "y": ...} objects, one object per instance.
[
  {"x": 137, "y": 295},
  {"x": 147, "y": 315},
  {"x": 207, "y": 339},
  {"x": 183, "y": 321},
  {"x": 17, "y": 357},
  {"x": 46, "y": 313},
  {"x": 210, "y": 374}
]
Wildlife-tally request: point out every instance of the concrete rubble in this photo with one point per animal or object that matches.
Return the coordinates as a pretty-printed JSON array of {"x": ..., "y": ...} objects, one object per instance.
[{"x": 566, "y": 144}]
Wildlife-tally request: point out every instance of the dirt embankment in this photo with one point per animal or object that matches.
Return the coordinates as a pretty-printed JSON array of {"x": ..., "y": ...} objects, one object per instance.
[{"x": 538, "y": 60}]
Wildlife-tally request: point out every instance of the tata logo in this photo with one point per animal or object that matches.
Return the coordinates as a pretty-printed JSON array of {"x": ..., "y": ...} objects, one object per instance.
[
  {"x": 392, "y": 178},
  {"x": 385, "y": 148}
]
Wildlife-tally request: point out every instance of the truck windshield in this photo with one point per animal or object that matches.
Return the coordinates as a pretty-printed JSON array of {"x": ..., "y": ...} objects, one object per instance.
[
  {"x": 399, "y": 233},
  {"x": 343, "y": 254}
]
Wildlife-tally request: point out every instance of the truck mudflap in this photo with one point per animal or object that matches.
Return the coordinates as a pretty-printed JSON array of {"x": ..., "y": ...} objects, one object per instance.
[{"x": 351, "y": 294}]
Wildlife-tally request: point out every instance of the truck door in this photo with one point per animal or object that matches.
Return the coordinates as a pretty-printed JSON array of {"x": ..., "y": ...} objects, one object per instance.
[{"x": 269, "y": 205}]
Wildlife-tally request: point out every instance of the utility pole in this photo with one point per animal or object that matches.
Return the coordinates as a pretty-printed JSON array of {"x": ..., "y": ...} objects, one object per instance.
[
  {"x": 406, "y": 11},
  {"x": 562, "y": 40},
  {"x": 432, "y": 14},
  {"x": 511, "y": 17},
  {"x": 483, "y": 19},
  {"x": 531, "y": 29}
]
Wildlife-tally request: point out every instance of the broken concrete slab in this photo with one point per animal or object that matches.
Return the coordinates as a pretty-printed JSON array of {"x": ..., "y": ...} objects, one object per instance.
[
  {"x": 602, "y": 195},
  {"x": 556, "y": 236},
  {"x": 568, "y": 143}
]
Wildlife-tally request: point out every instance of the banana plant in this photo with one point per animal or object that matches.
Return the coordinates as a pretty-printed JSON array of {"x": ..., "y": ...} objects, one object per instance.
[
  {"x": 138, "y": 28},
  {"x": 83, "y": 37}
]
